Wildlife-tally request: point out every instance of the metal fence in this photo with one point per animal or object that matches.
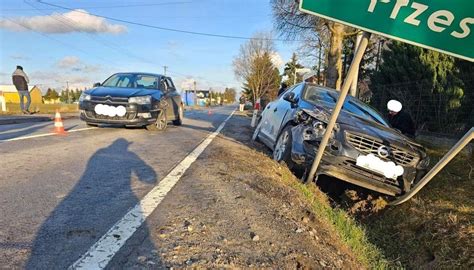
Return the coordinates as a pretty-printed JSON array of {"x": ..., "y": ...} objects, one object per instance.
[{"x": 447, "y": 114}]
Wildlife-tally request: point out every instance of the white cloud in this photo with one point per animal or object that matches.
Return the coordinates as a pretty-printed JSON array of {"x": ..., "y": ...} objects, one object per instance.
[
  {"x": 277, "y": 60},
  {"x": 59, "y": 80},
  {"x": 69, "y": 62},
  {"x": 75, "y": 64},
  {"x": 74, "y": 21},
  {"x": 187, "y": 84}
]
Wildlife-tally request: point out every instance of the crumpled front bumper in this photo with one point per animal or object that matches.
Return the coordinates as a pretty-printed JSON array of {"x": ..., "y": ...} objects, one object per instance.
[{"x": 339, "y": 161}]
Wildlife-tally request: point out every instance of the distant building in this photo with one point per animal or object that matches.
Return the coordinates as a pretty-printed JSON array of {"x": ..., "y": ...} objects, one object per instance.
[
  {"x": 202, "y": 97},
  {"x": 52, "y": 101},
  {"x": 10, "y": 94}
]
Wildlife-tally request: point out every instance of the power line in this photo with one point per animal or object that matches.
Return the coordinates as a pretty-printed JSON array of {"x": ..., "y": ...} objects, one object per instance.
[
  {"x": 107, "y": 7},
  {"x": 58, "y": 41},
  {"x": 108, "y": 44},
  {"x": 166, "y": 28}
]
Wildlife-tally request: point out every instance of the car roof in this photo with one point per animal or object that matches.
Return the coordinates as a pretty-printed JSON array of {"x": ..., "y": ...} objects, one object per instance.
[
  {"x": 321, "y": 87},
  {"x": 141, "y": 73}
]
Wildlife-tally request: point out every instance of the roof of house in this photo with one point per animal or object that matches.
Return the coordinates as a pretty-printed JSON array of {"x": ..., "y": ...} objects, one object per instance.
[{"x": 10, "y": 88}]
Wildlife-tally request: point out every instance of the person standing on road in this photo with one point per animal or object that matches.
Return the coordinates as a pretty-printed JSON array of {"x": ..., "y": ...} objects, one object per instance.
[
  {"x": 20, "y": 80},
  {"x": 242, "y": 103},
  {"x": 400, "y": 119}
]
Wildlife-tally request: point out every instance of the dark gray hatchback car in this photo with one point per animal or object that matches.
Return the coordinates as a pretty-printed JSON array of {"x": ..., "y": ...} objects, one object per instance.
[
  {"x": 133, "y": 99},
  {"x": 363, "y": 150}
]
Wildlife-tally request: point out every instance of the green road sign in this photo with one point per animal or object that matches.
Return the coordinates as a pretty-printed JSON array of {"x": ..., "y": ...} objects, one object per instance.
[{"x": 442, "y": 25}]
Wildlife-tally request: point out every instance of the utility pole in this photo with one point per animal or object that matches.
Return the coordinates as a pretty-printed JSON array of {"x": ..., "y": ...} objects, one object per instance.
[
  {"x": 195, "y": 93},
  {"x": 165, "y": 68},
  {"x": 67, "y": 91}
]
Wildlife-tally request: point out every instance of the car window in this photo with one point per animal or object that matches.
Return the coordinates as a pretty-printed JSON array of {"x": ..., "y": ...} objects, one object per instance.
[
  {"x": 132, "y": 80},
  {"x": 297, "y": 90},
  {"x": 317, "y": 95},
  {"x": 148, "y": 82},
  {"x": 170, "y": 84}
]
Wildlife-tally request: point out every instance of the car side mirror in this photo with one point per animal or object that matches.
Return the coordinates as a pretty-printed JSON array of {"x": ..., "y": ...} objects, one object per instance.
[
  {"x": 97, "y": 84},
  {"x": 290, "y": 97}
]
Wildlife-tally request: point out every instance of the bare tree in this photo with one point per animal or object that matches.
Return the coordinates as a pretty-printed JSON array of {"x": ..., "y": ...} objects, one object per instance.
[
  {"x": 293, "y": 24},
  {"x": 253, "y": 65}
]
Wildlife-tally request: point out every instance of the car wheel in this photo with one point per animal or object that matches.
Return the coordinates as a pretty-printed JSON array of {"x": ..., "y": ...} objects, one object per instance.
[
  {"x": 282, "y": 150},
  {"x": 160, "y": 124},
  {"x": 179, "y": 121},
  {"x": 257, "y": 131}
]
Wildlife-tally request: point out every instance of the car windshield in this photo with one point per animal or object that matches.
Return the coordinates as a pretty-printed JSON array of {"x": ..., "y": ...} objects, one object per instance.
[
  {"x": 317, "y": 95},
  {"x": 129, "y": 80}
]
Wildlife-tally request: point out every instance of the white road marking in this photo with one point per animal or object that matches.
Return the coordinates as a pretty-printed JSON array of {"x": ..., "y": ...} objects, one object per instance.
[
  {"x": 100, "y": 254},
  {"x": 45, "y": 135}
]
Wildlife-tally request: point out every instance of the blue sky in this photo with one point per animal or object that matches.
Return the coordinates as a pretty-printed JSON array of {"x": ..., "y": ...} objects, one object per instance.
[{"x": 57, "y": 51}]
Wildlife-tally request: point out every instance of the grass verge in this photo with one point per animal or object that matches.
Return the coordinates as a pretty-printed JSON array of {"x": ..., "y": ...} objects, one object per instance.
[
  {"x": 435, "y": 229},
  {"x": 13, "y": 108},
  {"x": 348, "y": 229}
]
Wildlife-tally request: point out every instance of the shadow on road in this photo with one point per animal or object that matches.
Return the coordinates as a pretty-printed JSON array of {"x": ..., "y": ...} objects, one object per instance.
[{"x": 100, "y": 198}]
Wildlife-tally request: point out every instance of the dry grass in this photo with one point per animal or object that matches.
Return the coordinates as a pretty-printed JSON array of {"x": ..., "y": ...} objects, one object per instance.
[
  {"x": 42, "y": 108},
  {"x": 435, "y": 229}
]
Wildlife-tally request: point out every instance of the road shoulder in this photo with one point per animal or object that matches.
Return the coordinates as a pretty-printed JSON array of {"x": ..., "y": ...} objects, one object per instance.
[{"x": 234, "y": 208}]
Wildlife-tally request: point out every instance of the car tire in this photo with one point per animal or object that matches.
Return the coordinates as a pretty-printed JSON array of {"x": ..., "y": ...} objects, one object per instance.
[
  {"x": 257, "y": 132},
  {"x": 161, "y": 123},
  {"x": 91, "y": 125},
  {"x": 179, "y": 121},
  {"x": 282, "y": 149}
]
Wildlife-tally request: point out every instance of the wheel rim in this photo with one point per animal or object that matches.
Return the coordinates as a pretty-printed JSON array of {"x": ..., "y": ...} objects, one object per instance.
[
  {"x": 280, "y": 147},
  {"x": 161, "y": 122}
]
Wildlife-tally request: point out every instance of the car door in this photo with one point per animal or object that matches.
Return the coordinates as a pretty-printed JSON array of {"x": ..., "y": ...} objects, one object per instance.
[
  {"x": 175, "y": 98},
  {"x": 167, "y": 98},
  {"x": 282, "y": 112},
  {"x": 269, "y": 115}
]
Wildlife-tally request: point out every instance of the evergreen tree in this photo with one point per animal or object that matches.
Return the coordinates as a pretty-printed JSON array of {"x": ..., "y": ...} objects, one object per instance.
[
  {"x": 290, "y": 70},
  {"x": 426, "y": 82}
]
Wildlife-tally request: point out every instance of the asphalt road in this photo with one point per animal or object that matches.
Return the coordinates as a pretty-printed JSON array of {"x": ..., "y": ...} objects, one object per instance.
[{"x": 59, "y": 194}]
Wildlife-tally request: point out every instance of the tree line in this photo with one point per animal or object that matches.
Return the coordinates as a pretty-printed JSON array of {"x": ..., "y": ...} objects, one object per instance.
[
  {"x": 65, "y": 96},
  {"x": 436, "y": 89}
]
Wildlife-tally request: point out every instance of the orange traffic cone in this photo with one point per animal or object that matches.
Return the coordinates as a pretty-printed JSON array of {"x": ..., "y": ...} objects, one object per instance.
[{"x": 58, "y": 124}]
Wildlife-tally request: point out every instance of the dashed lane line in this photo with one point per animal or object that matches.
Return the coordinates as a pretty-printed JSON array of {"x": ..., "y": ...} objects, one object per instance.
[{"x": 102, "y": 252}]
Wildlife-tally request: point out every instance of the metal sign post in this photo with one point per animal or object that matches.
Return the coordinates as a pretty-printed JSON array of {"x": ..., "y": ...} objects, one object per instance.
[
  {"x": 437, "y": 168},
  {"x": 342, "y": 97}
]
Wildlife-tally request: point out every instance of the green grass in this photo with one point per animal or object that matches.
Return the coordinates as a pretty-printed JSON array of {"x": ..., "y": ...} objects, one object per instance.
[{"x": 348, "y": 229}]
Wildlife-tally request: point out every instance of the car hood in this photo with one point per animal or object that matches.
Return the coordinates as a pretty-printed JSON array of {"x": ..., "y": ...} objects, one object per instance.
[
  {"x": 121, "y": 92},
  {"x": 353, "y": 123}
]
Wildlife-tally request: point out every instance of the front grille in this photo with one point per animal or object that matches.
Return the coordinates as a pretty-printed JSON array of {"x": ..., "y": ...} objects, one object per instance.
[
  {"x": 110, "y": 100},
  {"x": 127, "y": 116},
  {"x": 351, "y": 166},
  {"x": 370, "y": 145}
]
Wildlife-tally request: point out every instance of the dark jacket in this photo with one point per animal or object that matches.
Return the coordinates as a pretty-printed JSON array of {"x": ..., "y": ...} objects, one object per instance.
[
  {"x": 403, "y": 122},
  {"x": 20, "y": 80},
  {"x": 242, "y": 100}
]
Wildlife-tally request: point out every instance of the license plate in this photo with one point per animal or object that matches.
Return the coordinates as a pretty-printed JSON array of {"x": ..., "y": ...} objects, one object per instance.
[
  {"x": 387, "y": 168},
  {"x": 111, "y": 111}
]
